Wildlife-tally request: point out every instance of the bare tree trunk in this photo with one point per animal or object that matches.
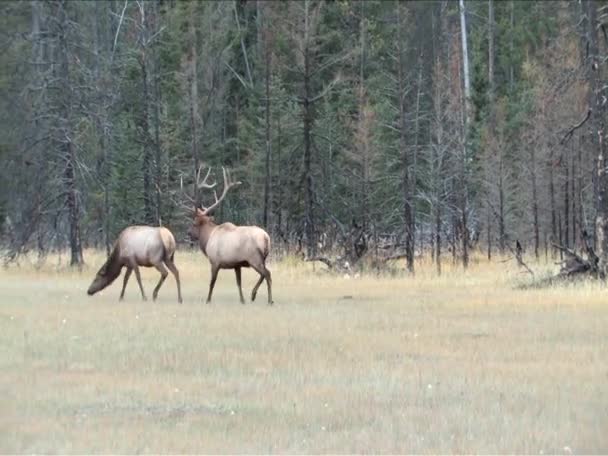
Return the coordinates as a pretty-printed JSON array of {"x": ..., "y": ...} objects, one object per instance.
[
  {"x": 407, "y": 197},
  {"x": 501, "y": 204},
  {"x": 413, "y": 180},
  {"x": 69, "y": 178},
  {"x": 279, "y": 208},
  {"x": 511, "y": 45},
  {"x": 597, "y": 99},
  {"x": 534, "y": 201},
  {"x": 103, "y": 72},
  {"x": 465, "y": 136},
  {"x": 438, "y": 239},
  {"x": 144, "y": 127},
  {"x": 566, "y": 201},
  {"x": 157, "y": 101},
  {"x": 552, "y": 197},
  {"x": 491, "y": 53},
  {"x": 581, "y": 217},
  {"x": 492, "y": 121},
  {"x": 308, "y": 124},
  {"x": 268, "y": 177},
  {"x": 465, "y": 63},
  {"x": 38, "y": 56},
  {"x": 193, "y": 102},
  {"x": 573, "y": 197}
]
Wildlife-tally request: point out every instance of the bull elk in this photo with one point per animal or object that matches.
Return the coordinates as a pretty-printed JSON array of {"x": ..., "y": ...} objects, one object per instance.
[
  {"x": 228, "y": 246},
  {"x": 139, "y": 246}
]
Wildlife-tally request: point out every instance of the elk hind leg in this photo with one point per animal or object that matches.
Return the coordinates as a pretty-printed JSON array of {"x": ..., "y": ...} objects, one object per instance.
[
  {"x": 138, "y": 277},
  {"x": 264, "y": 274},
  {"x": 237, "y": 272},
  {"x": 124, "y": 283},
  {"x": 171, "y": 265},
  {"x": 163, "y": 275}
]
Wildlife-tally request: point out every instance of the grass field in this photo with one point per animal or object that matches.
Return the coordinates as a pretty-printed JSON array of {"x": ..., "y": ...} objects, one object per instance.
[{"x": 461, "y": 363}]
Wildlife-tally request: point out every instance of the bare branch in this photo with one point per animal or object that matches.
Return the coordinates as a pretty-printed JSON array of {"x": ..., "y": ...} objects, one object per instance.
[
  {"x": 570, "y": 132},
  {"x": 122, "y": 16}
]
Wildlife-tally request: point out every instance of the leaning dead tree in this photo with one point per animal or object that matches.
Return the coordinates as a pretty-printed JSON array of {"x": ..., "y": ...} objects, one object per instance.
[
  {"x": 354, "y": 246},
  {"x": 575, "y": 265}
]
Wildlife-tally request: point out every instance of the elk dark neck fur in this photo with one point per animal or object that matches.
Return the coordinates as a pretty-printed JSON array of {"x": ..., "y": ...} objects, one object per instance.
[
  {"x": 205, "y": 231},
  {"x": 113, "y": 266}
]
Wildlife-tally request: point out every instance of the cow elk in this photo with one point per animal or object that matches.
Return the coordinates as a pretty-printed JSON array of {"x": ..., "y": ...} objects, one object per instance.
[
  {"x": 139, "y": 246},
  {"x": 228, "y": 246}
]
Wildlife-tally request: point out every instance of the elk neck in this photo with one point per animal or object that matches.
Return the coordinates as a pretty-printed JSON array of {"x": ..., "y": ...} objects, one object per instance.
[
  {"x": 205, "y": 231},
  {"x": 113, "y": 265}
]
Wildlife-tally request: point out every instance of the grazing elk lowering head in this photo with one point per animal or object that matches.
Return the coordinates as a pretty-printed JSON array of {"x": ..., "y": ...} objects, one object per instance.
[
  {"x": 228, "y": 246},
  {"x": 139, "y": 246}
]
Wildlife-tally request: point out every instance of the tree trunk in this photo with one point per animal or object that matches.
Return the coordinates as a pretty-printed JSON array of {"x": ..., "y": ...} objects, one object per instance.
[
  {"x": 573, "y": 197},
  {"x": 193, "y": 102},
  {"x": 408, "y": 212},
  {"x": 143, "y": 127},
  {"x": 465, "y": 63},
  {"x": 279, "y": 207},
  {"x": 438, "y": 239},
  {"x": 501, "y": 204},
  {"x": 597, "y": 101},
  {"x": 491, "y": 120},
  {"x": 157, "y": 144},
  {"x": 566, "y": 201},
  {"x": 465, "y": 137},
  {"x": 69, "y": 178},
  {"x": 268, "y": 177},
  {"x": 552, "y": 197},
  {"x": 308, "y": 124},
  {"x": 534, "y": 202},
  {"x": 511, "y": 45}
]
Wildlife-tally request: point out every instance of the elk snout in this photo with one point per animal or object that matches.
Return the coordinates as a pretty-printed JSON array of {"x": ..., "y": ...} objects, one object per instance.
[{"x": 95, "y": 286}]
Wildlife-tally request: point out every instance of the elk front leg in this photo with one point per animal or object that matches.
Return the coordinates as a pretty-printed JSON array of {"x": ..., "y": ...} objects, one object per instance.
[
  {"x": 214, "y": 272},
  {"x": 124, "y": 283}
]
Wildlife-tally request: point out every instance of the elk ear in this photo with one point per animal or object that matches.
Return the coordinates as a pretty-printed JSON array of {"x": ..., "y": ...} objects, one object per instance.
[{"x": 199, "y": 212}]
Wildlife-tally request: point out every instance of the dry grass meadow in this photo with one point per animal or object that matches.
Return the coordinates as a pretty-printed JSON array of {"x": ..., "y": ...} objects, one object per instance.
[{"x": 464, "y": 363}]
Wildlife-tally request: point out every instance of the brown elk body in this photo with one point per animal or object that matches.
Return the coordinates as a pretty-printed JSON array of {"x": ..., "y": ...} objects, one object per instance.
[
  {"x": 228, "y": 246},
  {"x": 136, "y": 246}
]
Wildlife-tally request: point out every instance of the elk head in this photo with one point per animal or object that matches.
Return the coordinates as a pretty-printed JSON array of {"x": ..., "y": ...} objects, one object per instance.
[
  {"x": 202, "y": 215},
  {"x": 106, "y": 275}
]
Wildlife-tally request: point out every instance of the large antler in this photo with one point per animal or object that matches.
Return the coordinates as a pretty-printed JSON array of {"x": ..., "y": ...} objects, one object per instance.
[
  {"x": 203, "y": 184},
  {"x": 228, "y": 184}
]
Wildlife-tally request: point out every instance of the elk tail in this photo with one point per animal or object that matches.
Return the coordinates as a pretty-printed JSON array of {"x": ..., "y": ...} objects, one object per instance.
[
  {"x": 168, "y": 244},
  {"x": 266, "y": 251}
]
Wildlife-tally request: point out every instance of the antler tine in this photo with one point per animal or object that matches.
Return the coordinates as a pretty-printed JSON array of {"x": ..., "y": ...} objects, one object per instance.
[
  {"x": 228, "y": 178},
  {"x": 204, "y": 184},
  {"x": 227, "y": 186}
]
